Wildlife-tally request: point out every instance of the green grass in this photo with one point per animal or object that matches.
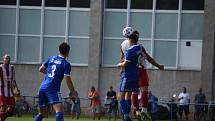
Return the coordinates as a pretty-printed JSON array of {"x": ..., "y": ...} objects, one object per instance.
[{"x": 52, "y": 118}]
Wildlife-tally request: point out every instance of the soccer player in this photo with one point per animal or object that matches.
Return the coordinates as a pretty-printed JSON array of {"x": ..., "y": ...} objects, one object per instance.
[
  {"x": 8, "y": 83},
  {"x": 143, "y": 81},
  {"x": 55, "y": 69},
  {"x": 129, "y": 75}
]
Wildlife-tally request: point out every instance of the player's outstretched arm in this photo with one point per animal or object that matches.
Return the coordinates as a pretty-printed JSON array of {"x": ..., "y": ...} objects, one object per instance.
[
  {"x": 153, "y": 62},
  {"x": 43, "y": 69}
]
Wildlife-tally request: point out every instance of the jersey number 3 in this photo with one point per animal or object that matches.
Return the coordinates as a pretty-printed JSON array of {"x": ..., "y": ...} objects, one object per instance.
[{"x": 53, "y": 71}]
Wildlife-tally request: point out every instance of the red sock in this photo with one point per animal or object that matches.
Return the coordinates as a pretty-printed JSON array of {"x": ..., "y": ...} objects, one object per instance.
[
  {"x": 135, "y": 101},
  {"x": 144, "y": 99},
  {"x": 2, "y": 116}
]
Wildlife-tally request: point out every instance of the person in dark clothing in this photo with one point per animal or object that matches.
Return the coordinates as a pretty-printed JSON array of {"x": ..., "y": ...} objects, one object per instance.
[{"x": 173, "y": 108}]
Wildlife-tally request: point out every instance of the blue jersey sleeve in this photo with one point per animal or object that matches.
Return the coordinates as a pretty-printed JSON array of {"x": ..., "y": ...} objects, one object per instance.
[
  {"x": 67, "y": 70},
  {"x": 45, "y": 64}
]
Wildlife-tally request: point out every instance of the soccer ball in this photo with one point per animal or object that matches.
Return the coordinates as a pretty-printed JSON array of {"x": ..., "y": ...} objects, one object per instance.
[{"x": 127, "y": 31}]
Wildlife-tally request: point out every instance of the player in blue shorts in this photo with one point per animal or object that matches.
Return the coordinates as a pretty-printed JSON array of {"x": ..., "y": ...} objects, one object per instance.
[
  {"x": 55, "y": 69},
  {"x": 129, "y": 75}
]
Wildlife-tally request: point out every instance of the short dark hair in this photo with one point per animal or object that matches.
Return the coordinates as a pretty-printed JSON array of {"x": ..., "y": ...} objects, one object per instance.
[
  {"x": 134, "y": 37},
  {"x": 64, "y": 48}
]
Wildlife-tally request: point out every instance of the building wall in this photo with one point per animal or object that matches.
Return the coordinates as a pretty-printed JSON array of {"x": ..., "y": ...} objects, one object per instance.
[{"x": 163, "y": 83}]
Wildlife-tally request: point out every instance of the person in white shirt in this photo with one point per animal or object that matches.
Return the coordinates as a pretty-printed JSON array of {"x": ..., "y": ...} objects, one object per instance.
[{"x": 184, "y": 100}]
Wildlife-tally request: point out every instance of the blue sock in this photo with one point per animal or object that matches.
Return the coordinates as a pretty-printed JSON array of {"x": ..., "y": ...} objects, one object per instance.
[
  {"x": 128, "y": 102},
  {"x": 38, "y": 117},
  {"x": 59, "y": 116},
  {"x": 123, "y": 106}
]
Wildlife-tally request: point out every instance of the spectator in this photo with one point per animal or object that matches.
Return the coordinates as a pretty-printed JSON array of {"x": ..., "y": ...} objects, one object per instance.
[
  {"x": 76, "y": 107},
  {"x": 112, "y": 103},
  {"x": 184, "y": 100},
  {"x": 7, "y": 80},
  {"x": 173, "y": 108},
  {"x": 95, "y": 102},
  {"x": 153, "y": 106},
  {"x": 200, "y": 98}
]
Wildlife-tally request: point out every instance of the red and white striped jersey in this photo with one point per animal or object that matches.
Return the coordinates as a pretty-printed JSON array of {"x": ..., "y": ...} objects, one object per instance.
[{"x": 7, "y": 75}]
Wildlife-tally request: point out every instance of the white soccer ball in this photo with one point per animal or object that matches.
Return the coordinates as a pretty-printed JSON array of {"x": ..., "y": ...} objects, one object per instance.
[{"x": 127, "y": 31}]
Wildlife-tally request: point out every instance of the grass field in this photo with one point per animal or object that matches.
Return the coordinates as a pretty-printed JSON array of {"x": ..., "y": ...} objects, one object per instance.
[{"x": 67, "y": 118}]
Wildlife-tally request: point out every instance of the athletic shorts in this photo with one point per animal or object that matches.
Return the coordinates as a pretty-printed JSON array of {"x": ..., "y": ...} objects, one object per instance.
[
  {"x": 7, "y": 101},
  {"x": 127, "y": 85},
  {"x": 143, "y": 78},
  {"x": 49, "y": 97}
]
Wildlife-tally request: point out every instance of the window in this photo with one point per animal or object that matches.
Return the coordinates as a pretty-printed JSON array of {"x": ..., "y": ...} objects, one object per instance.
[
  {"x": 192, "y": 26},
  {"x": 30, "y": 2},
  {"x": 141, "y": 4},
  {"x": 79, "y": 50},
  {"x": 80, "y": 3},
  {"x": 167, "y": 4},
  {"x": 7, "y": 46},
  {"x": 111, "y": 51},
  {"x": 166, "y": 25},
  {"x": 193, "y": 4},
  {"x": 116, "y": 4},
  {"x": 114, "y": 24},
  {"x": 26, "y": 18},
  {"x": 29, "y": 49},
  {"x": 7, "y": 2},
  {"x": 165, "y": 52},
  {"x": 55, "y": 22},
  {"x": 55, "y": 3},
  {"x": 7, "y": 20},
  {"x": 145, "y": 28},
  {"x": 79, "y": 23}
]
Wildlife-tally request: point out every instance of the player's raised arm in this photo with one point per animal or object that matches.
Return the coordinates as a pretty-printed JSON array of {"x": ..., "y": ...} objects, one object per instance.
[{"x": 152, "y": 61}]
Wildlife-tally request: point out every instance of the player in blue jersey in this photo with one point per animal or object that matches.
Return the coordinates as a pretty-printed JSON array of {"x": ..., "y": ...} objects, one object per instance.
[
  {"x": 55, "y": 69},
  {"x": 129, "y": 75}
]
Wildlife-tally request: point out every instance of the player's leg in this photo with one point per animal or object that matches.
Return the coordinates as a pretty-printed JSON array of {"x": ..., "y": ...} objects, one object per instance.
[
  {"x": 143, "y": 83},
  {"x": 54, "y": 98},
  {"x": 128, "y": 101},
  {"x": 42, "y": 111},
  {"x": 144, "y": 98},
  {"x": 58, "y": 107},
  {"x": 135, "y": 101},
  {"x": 121, "y": 96}
]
